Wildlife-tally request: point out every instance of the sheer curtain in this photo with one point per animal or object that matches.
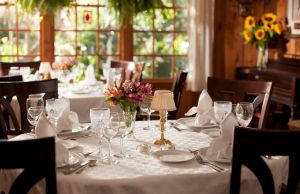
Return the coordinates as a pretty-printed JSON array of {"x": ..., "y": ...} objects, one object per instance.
[{"x": 201, "y": 33}]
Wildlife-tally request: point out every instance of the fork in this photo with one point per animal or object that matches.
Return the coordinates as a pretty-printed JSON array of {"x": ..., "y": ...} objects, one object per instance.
[{"x": 204, "y": 161}]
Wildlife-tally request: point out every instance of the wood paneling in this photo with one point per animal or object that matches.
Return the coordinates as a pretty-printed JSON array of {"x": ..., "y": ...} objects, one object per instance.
[{"x": 229, "y": 48}]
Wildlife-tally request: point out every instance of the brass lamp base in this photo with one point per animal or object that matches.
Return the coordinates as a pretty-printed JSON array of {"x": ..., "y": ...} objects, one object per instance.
[{"x": 162, "y": 142}]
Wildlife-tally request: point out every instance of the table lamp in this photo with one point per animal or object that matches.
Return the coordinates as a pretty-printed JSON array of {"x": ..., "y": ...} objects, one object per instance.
[
  {"x": 45, "y": 70},
  {"x": 163, "y": 102}
]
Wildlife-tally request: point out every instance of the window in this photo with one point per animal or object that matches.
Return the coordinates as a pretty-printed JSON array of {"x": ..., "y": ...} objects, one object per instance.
[
  {"x": 19, "y": 33},
  {"x": 161, "y": 40}
]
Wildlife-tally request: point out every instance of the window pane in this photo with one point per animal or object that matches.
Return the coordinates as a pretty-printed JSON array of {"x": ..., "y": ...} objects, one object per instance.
[
  {"x": 86, "y": 41},
  {"x": 8, "y": 59},
  {"x": 181, "y": 20},
  {"x": 29, "y": 21},
  {"x": 10, "y": 47},
  {"x": 65, "y": 43},
  {"x": 163, "y": 43},
  {"x": 147, "y": 72},
  {"x": 65, "y": 19},
  {"x": 181, "y": 63},
  {"x": 181, "y": 3},
  {"x": 7, "y": 17},
  {"x": 86, "y": 18},
  {"x": 168, "y": 3},
  {"x": 164, "y": 19},
  {"x": 107, "y": 18},
  {"x": 143, "y": 43},
  {"x": 143, "y": 22},
  {"x": 109, "y": 43},
  {"x": 163, "y": 67},
  {"x": 25, "y": 58},
  {"x": 87, "y": 2},
  {"x": 29, "y": 43},
  {"x": 181, "y": 43}
]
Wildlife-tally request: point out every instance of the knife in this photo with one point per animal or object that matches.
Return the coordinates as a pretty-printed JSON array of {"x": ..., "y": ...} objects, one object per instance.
[{"x": 76, "y": 168}]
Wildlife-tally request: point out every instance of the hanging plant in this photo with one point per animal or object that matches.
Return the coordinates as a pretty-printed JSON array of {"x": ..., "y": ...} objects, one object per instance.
[
  {"x": 126, "y": 9},
  {"x": 43, "y": 6}
]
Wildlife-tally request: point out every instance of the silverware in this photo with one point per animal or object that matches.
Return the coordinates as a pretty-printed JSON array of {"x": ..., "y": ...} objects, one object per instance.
[
  {"x": 75, "y": 168},
  {"x": 202, "y": 160}
]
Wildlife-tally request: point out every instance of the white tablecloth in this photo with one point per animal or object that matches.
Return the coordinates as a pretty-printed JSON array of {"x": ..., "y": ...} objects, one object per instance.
[{"x": 143, "y": 174}]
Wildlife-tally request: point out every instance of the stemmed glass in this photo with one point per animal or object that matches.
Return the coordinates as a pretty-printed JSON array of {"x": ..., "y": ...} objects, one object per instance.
[
  {"x": 99, "y": 117},
  {"x": 145, "y": 107},
  {"x": 244, "y": 113},
  {"x": 110, "y": 132},
  {"x": 35, "y": 107},
  {"x": 221, "y": 109}
]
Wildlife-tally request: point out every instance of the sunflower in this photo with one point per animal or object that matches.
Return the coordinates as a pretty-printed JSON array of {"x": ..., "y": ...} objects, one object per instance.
[
  {"x": 278, "y": 28},
  {"x": 247, "y": 35},
  {"x": 260, "y": 34},
  {"x": 249, "y": 22},
  {"x": 268, "y": 26},
  {"x": 269, "y": 17}
]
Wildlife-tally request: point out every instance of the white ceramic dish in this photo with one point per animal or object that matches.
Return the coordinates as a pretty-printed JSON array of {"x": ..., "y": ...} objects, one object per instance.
[
  {"x": 81, "y": 130},
  {"x": 173, "y": 156},
  {"x": 188, "y": 123},
  {"x": 74, "y": 158}
]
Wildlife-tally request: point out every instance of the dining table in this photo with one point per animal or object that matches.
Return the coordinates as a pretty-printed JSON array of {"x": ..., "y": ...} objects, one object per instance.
[{"x": 145, "y": 173}]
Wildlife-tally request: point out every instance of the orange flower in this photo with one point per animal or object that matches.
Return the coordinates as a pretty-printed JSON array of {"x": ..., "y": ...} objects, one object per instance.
[{"x": 112, "y": 92}]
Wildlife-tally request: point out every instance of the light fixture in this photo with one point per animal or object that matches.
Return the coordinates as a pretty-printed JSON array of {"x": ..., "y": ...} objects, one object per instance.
[{"x": 163, "y": 102}]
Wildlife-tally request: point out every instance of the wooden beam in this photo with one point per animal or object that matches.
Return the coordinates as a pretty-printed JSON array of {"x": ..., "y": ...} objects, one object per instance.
[
  {"x": 126, "y": 41},
  {"x": 47, "y": 38}
]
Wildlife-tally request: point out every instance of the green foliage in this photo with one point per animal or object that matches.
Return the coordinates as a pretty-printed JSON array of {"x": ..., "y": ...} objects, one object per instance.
[
  {"x": 127, "y": 9},
  {"x": 44, "y": 6}
]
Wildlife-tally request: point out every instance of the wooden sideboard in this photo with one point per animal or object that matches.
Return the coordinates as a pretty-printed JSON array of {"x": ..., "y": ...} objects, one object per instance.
[{"x": 285, "y": 75}]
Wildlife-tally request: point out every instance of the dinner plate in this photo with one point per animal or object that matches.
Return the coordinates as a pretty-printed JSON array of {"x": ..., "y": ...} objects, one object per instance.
[
  {"x": 81, "y": 130},
  {"x": 220, "y": 160},
  {"x": 74, "y": 158},
  {"x": 173, "y": 156},
  {"x": 189, "y": 124}
]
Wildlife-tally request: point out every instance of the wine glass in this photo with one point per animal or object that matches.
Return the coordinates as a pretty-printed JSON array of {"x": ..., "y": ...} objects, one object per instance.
[
  {"x": 145, "y": 107},
  {"x": 221, "y": 109},
  {"x": 244, "y": 113},
  {"x": 35, "y": 107},
  {"x": 110, "y": 132},
  {"x": 99, "y": 117}
]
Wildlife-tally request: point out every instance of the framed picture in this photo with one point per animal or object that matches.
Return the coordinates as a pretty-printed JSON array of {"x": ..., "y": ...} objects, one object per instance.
[{"x": 294, "y": 16}]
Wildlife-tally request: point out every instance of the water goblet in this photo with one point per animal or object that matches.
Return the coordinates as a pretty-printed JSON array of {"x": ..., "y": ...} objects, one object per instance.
[
  {"x": 145, "y": 107},
  {"x": 244, "y": 113},
  {"x": 110, "y": 132},
  {"x": 35, "y": 107},
  {"x": 221, "y": 109}
]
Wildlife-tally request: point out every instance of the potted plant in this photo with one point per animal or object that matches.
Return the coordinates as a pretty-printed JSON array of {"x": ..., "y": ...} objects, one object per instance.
[
  {"x": 125, "y": 10},
  {"x": 44, "y": 6}
]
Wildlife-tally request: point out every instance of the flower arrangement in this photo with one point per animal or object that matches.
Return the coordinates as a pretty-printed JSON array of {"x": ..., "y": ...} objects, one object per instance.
[
  {"x": 261, "y": 32},
  {"x": 67, "y": 64},
  {"x": 128, "y": 95}
]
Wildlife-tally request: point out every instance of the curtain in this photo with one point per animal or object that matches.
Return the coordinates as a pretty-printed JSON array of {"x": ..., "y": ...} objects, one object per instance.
[{"x": 201, "y": 32}]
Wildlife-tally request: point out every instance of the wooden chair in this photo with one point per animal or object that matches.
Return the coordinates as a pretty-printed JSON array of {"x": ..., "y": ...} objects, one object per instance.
[
  {"x": 251, "y": 144},
  {"x": 36, "y": 157},
  {"x": 22, "y": 90},
  {"x": 5, "y": 66},
  {"x": 236, "y": 91},
  {"x": 127, "y": 73},
  {"x": 11, "y": 78},
  {"x": 138, "y": 72}
]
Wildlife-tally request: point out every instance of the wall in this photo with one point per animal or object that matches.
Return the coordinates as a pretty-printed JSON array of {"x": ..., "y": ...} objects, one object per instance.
[{"x": 229, "y": 48}]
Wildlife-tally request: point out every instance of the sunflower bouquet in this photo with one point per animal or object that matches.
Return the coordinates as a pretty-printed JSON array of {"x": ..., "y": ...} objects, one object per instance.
[{"x": 261, "y": 32}]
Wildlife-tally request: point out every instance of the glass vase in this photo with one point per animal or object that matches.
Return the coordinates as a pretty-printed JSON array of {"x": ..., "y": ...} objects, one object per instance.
[
  {"x": 129, "y": 119},
  {"x": 262, "y": 58}
]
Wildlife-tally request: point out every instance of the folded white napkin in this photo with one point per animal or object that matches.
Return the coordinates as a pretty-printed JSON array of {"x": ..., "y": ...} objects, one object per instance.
[
  {"x": 204, "y": 109},
  {"x": 67, "y": 121},
  {"x": 45, "y": 129},
  {"x": 221, "y": 147},
  {"x": 89, "y": 77},
  {"x": 110, "y": 78}
]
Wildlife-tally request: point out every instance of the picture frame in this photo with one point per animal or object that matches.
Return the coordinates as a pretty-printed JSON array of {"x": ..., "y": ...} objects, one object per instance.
[{"x": 293, "y": 13}]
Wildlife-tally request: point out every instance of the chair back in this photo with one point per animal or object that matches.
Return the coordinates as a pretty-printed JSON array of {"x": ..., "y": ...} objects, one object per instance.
[
  {"x": 177, "y": 89},
  {"x": 126, "y": 73},
  {"x": 236, "y": 91},
  {"x": 36, "y": 157},
  {"x": 11, "y": 78},
  {"x": 251, "y": 144},
  {"x": 22, "y": 90},
  {"x": 5, "y": 66},
  {"x": 138, "y": 72}
]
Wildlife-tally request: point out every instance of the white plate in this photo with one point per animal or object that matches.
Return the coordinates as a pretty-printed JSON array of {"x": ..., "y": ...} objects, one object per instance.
[
  {"x": 69, "y": 144},
  {"x": 189, "y": 123},
  {"x": 81, "y": 91},
  {"x": 74, "y": 158},
  {"x": 81, "y": 130},
  {"x": 221, "y": 160},
  {"x": 173, "y": 156}
]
